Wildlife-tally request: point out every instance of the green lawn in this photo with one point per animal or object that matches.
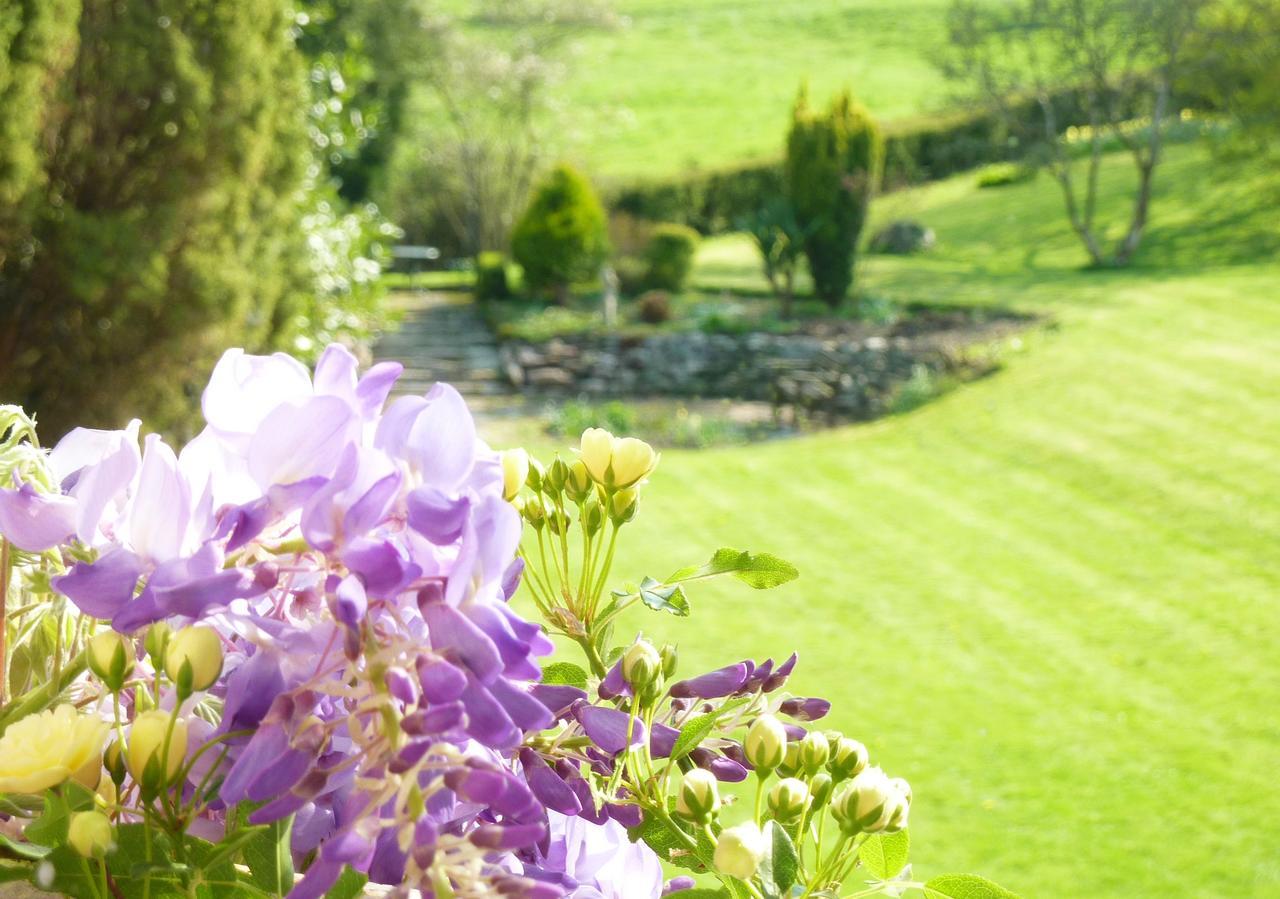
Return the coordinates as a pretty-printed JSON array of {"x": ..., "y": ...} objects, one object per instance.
[
  {"x": 708, "y": 82},
  {"x": 1051, "y": 599}
]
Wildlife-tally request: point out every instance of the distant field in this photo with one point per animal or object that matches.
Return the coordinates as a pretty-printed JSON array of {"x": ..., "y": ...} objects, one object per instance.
[
  {"x": 707, "y": 82},
  {"x": 1051, "y": 598}
]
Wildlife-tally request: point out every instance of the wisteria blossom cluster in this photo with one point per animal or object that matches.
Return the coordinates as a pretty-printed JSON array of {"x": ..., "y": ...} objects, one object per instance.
[{"x": 283, "y": 660}]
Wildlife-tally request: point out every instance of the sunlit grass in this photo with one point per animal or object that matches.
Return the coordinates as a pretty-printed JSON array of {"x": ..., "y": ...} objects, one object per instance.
[{"x": 1052, "y": 598}]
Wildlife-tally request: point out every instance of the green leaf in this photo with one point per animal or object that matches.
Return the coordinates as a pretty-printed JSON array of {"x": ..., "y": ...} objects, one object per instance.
[
  {"x": 50, "y": 829},
  {"x": 782, "y": 862},
  {"x": 269, "y": 859},
  {"x": 885, "y": 854},
  {"x": 702, "y": 893},
  {"x": 759, "y": 570},
  {"x": 692, "y": 734},
  {"x": 22, "y": 849},
  {"x": 669, "y": 846},
  {"x": 965, "y": 886},
  {"x": 664, "y": 597},
  {"x": 565, "y": 673},
  {"x": 350, "y": 884}
]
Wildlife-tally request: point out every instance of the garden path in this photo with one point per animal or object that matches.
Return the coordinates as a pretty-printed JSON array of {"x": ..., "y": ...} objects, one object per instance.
[{"x": 442, "y": 337}]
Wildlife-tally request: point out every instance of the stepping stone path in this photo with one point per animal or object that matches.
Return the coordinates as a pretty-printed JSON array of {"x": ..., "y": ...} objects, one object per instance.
[{"x": 442, "y": 337}]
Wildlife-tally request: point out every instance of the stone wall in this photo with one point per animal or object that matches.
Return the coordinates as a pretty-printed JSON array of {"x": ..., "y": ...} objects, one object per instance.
[{"x": 846, "y": 378}]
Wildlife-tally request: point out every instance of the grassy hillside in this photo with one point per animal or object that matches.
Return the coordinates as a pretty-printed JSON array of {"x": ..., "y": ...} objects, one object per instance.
[
  {"x": 712, "y": 81},
  {"x": 1051, "y": 599}
]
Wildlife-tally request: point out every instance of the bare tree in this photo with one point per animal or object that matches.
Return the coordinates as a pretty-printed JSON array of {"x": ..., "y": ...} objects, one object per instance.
[
  {"x": 1115, "y": 61},
  {"x": 486, "y": 81}
]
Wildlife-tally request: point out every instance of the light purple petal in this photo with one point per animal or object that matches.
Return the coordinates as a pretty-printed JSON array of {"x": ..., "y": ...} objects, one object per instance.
[
  {"x": 375, "y": 386},
  {"x": 350, "y": 602},
  {"x": 526, "y": 711},
  {"x": 436, "y": 515},
  {"x": 244, "y": 389},
  {"x": 435, "y": 435},
  {"x": 714, "y": 684},
  {"x": 161, "y": 504},
  {"x": 102, "y": 588},
  {"x": 451, "y": 630},
  {"x": 301, "y": 440},
  {"x": 36, "y": 521},
  {"x": 487, "y": 721}
]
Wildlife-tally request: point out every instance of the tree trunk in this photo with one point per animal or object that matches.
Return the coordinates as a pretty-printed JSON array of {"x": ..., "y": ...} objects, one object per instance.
[{"x": 1146, "y": 175}]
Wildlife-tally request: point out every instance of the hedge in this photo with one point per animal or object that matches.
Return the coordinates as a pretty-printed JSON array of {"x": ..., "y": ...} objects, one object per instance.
[{"x": 916, "y": 150}]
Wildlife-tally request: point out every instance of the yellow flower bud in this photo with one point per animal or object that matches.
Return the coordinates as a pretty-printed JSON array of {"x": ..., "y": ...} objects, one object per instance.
[
  {"x": 200, "y": 649},
  {"x": 814, "y": 752},
  {"x": 596, "y": 448},
  {"x": 577, "y": 485},
  {"x": 515, "y": 471},
  {"x": 848, "y": 758},
  {"x": 788, "y": 800},
  {"x": 632, "y": 461},
  {"x": 641, "y": 664},
  {"x": 699, "y": 797},
  {"x": 766, "y": 743},
  {"x": 111, "y": 657},
  {"x": 622, "y": 507},
  {"x": 146, "y": 741},
  {"x": 739, "y": 850},
  {"x": 89, "y": 833},
  {"x": 868, "y": 803},
  {"x": 45, "y": 749}
]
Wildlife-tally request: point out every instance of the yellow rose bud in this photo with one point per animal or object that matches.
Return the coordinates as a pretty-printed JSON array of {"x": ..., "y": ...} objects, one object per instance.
[
  {"x": 89, "y": 833},
  {"x": 788, "y": 799},
  {"x": 622, "y": 506},
  {"x": 739, "y": 850},
  {"x": 596, "y": 448},
  {"x": 111, "y": 658},
  {"x": 641, "y": 664},
  {"x": 515, "y": 471},
  {"x": 44, "y": 750},
  {"x": 146, "y": 741},
  {"x": 577, "y": 486},
  {"x": 199, "y": 648},
  {"x": 107, "y": 793},
  {"x": 766, "y": 743},
  {"x": 632, "y": 461},
  {"x": 699, "y": 797}
]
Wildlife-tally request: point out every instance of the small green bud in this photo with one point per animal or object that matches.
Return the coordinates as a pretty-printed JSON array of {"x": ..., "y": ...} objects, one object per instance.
[
  {"x": 820, "y": 787},
  {"x": 739, "y": 850},
  {"x": 788, "y": 799},
  {"x": 641, "y": 664},
  {"x": 790, "y": 766},
  {"x": 592, "y": 517},
  {"x": 622, "y": 506},
  {"x": 669, "y": 659},
  {"x": 533, "y": 480},
  {"x": 111, "y": 658},
  {"x": 578, "y": 485},
  {"x": 89, "y": 834},
  {"x": 766, "y": 744},
  {"x": 157, "y": 640},
  {"x": 114, "y": 762},
  {"x": 534, "y": 513},
  {"x": 553, "y": 481},
  {"x": 557, "y": 522},
  {"x": 699, "y": 798},
  {"x": 848, "y": 759},
  {"x": 814, "y": 752}
]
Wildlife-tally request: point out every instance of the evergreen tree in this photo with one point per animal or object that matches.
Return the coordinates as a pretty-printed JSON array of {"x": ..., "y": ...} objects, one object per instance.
[
  {"x": 152, "y": 164},
  {"x": 562, "y": 237},
  {"x": 832, "y": 166}
]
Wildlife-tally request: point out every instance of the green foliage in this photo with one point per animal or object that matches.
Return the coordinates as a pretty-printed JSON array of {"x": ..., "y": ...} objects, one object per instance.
[
  {"x": 1235, "y": 66},
  {"x": 631, "y": 272},
  {"x": 965, "y": 886},
  {"x": 832, "y": 168},
  {"x": 885, "y": 854},
  {"x": 491, "y": 276},
  {"x": 781, "y": 864},
  {"x": 1002, "y": 174},
  {"x": 669, "y": 256},
  {"x": 561, "y": 238},
  {"x": 574, "y": 417},
  {"x": 156, "y": 204}
]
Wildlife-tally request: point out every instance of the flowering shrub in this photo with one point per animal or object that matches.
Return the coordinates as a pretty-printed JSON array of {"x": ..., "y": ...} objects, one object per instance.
[{"x": 282, "y": 661}]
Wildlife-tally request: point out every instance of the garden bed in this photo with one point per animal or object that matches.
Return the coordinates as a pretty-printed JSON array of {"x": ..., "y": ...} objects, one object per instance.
[{"x": 821, "y": 368}]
